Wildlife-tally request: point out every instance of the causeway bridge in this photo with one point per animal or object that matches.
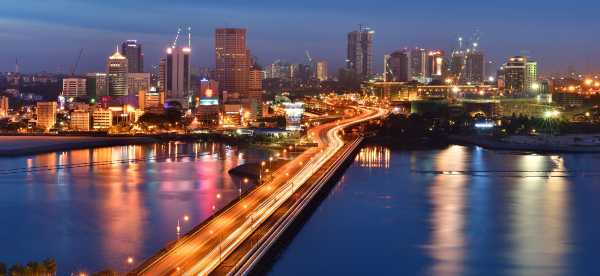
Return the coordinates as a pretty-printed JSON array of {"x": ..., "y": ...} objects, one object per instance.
[{"x": 233, "y": 241}]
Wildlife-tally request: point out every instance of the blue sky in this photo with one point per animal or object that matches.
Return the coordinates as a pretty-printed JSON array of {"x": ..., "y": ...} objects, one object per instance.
[{"x": 47, "y": 35}]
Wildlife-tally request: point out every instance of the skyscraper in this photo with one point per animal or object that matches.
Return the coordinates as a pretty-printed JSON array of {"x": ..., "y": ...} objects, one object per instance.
[
  {"x": 97, "y": 84},
  {"x": 117, "y": 75},
  {"x": 321, "y": 70},
  {"x": 474, "y": 67},
  {"x": 177, "y": 70},
  {"x": 360, "y": 51},
  {"x": 435, "y": 64},
  {"x": 232, "y": 60},
  {"x": 418, "y": 63},
  {"x": 132, "y": 50},
  {"x": 397, "y": 66},
  {"x": 74, "y": 87},
  {"x": 520, "y": 75}
]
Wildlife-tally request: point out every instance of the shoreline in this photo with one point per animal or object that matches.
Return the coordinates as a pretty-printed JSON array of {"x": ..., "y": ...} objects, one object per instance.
[
  {"x": 488, "y": 143},
  {"x": 14, "y": 146}
]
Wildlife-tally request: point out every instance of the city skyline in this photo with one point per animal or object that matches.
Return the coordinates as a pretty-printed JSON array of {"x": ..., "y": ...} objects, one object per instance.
[{"x": 431, "y": 25}]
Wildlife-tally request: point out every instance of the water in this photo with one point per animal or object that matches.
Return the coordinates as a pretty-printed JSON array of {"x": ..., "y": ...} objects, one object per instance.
[
  {"x": 92, "y": 209},
  {"x": 454, "y": 211}
]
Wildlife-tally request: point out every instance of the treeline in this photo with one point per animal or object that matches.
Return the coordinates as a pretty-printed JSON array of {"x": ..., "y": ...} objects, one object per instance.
[{"x": 46, "y": 267}]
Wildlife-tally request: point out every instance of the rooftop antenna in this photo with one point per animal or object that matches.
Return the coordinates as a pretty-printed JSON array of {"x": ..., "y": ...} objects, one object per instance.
[
  {"x": 176, "y": 38},
  {"x": 190, "y": 37},
  {"x": 17, "y": 65}
]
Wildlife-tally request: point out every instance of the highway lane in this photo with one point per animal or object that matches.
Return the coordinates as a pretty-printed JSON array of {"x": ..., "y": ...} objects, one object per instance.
[{"x": 204, "y": 249}]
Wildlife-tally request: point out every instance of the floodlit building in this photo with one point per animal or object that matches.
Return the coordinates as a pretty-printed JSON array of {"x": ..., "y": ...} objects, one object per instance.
[
  {"x": 46, "y": 114},
  {"x": 102, "y": 119},
  {"x": 321, "y": 70},
  {"x": 520, "y": 75},
  {"x": 293, "y": 115},
  {"x": 207, "y": 111},
  {"x": 80, "y": 120},
  {"x": 74, "y": 87},
  {"x": 177, "y": 70},
  {"x": 4, "y": 107},
  {"x": 117, "y": 75},
  {"x": 151, "y": 99}
]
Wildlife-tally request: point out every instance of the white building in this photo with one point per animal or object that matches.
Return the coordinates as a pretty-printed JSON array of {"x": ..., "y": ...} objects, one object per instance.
[{"x": 74, "y": 87}]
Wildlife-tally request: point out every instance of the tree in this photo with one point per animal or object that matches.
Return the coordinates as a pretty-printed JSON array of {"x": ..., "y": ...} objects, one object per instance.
[{"x": 50, "y": 265}]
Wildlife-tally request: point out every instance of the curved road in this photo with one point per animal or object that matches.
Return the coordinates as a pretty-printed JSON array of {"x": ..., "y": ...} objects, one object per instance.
[{"x": 202, "y": 250}]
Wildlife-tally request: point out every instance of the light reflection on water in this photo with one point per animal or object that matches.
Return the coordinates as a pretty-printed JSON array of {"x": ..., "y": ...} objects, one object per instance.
[
  {"x": 455, "y": 211},
  {"x": 91, "y": 209}
]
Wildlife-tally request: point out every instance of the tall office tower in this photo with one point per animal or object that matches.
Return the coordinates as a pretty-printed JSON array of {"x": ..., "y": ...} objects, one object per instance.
[
  {"x": 321, "y": 70},
  {"x": 474, "y": 67},
  {"x": 74, "y": 87},
  {"x": 360, "y": 51},
  {"x": 137, "y": 82},
  {"x": 279, "y": 70},
  {"x": 397, "y": 66},
  {"x": 4, "y": 107},
  {"x": 418, "y": 63},
  {"x": 435, "y": 64},
  {"x": 97, "y": 84},
  {"x": 457, "y": 64},
  {"x": 255, "y": 93},
  {"x": 132, "y": 50},
  {"x": 232, "y": 61},
  {"x": 46, "y": 114},
  {"x": 520, "y": 75},
  {"x": 162, "y": 75},
  {"x": 178, "y": 73},
  {"x": 117, "y": 75}
]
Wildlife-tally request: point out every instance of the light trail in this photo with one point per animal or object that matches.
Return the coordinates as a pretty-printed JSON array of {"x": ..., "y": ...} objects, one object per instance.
[{"x": 204, "y": 248}]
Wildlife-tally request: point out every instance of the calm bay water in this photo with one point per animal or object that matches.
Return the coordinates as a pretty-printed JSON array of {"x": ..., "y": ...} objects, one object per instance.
[
  {"x": 454, "y": 211},
  {"x": 92, "y": 209}
]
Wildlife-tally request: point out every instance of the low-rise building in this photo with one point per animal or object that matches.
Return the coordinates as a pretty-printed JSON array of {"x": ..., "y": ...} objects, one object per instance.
[{"x": 80, "y": 120}]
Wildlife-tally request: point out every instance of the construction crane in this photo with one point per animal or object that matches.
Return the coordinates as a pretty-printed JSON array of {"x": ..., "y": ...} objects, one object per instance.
[{"x": 74, "y": 68}]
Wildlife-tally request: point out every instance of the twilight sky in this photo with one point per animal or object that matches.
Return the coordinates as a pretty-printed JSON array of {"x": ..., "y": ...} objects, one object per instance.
[{"x": 47, "y": 35}]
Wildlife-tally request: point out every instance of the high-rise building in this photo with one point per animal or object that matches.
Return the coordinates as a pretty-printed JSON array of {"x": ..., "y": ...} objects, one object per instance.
[
  {"x": 97, "y": 84},
  {"x": 46, "y": 114},
  {"x": 397, "y": 66},
  {"x": 232, "y": 61},
  {"x": 177, "y": 70},
  {"x": 80, "y": 120},
  {"x": 360, "y": 51},
  {"x": 474, "y": 67},
  {"x": 255, "y": 93},
  {"x": 117, "y": 75},
  {"x": 207, "y": 112},
  {"x": 520, "y": 75},
  {"x": 4, "y": 107},
  {"x": 74, "y": 87},
  {"x": 435, "y": 64},
  {"x": 418, "y": 63},
  {"x": 137, "y": 82},
  {"x": 279, "y": 70},
  {"x": 132, "y": 50},
  {"x": 321, "y": 70}
]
